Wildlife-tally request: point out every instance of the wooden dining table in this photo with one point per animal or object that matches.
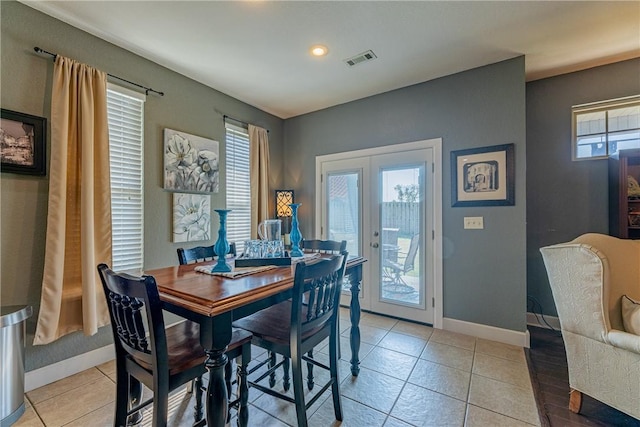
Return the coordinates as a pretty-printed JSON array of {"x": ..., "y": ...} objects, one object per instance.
[{"x": 214, "y": 302}]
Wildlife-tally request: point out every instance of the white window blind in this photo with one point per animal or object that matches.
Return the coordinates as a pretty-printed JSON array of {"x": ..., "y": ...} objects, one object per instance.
[
  {"x": 238, "y": 186},
  {"x": 125, "y": 110}
]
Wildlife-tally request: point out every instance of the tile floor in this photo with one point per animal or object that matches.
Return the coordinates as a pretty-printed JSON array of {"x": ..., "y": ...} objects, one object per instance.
[{"x": 411, "y": 375}]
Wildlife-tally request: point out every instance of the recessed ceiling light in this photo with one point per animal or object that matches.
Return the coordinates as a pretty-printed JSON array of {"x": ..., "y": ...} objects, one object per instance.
[{"x": 319, "y": 50}]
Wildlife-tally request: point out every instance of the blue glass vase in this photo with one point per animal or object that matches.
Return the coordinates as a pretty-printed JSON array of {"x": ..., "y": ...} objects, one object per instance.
[
  {"x": 295, "y": 235},
  {"x": 222, "y": 246}
]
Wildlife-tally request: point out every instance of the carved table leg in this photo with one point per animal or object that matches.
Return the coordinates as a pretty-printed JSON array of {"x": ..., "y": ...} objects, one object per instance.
[
  {"x": 217, "y": 399},
  {"x": 355, "y": 322}
]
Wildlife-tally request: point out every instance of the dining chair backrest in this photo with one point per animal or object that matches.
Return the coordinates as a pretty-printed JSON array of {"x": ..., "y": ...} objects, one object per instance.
[
  {"x": 316, "y": 296},
  {"x": 201, "y": 253},
  {"x": 136, "y": 316},
  {"x": 324, "y": 246}
]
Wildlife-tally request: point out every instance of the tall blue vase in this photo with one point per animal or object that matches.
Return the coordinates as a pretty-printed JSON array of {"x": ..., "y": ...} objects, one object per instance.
[
  {"x": 295, "y": 235},
  {"x": 222, "y": 246}
]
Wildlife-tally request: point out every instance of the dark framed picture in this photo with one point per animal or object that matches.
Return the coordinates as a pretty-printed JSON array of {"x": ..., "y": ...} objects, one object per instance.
[
  {"x": 483, "y": 176},
  {"x": 22, "y": 143}
]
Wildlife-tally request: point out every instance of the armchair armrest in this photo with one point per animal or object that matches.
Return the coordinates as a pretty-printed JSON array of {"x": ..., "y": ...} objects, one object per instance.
[{"x": 624, "y": 340}]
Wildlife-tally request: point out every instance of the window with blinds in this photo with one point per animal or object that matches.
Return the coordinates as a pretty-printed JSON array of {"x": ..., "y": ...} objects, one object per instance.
[
  {"x": 238, "y": 186},
  {"x": 601, "y": 129},
  {"x": 125, "y": 110}
]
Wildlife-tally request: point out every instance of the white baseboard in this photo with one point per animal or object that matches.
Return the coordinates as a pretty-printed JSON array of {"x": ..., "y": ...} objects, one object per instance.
[
  {"x": 507, "y": 336},
  {"x": 553, "y": 321},
  {"x": 57, "y": 371}
]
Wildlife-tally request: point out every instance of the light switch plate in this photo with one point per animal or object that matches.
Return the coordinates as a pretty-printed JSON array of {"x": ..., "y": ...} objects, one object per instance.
[{"x": 474, "y": 222}]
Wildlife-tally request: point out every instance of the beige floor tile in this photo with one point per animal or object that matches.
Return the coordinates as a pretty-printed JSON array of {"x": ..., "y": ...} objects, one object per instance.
[
  {"x": 443, "y": 379},
  {"x": 421, "y": 407},
  {"x": 406, "y": 344},
  {"x": 377, "y": 321},
  {"x": 411, "y": 375},
  {"x": 448, "y": 355},
  {"x": 480, "y": 417},
  {"x": 372, "y": 389},
  {"x": 345, "y": 349},
  {"x": 258, "y": 417},
  {"x": 501, "y": 350},
  {"x": 503, "y": 370},
  {"x": 413, "y": 329},
  {"x": 394, "y": 422},
  {"x": 59, "y": 387},
  {"x": 101, "y": 417},
  {"x": 108, "y": 368},
  {"x": 354, "y": 414},
  {"x": 453, "y": 338},
  {"x": 506, "y": 399},
  {"x": 75, "y": 403},
  {"x": 398, "y": 365},
  {"x": 29, "y": 418},
  {"x": 180, "y": 412},
  {"x": 286, "y": 411},
  {"x": 369, "y": 334}
]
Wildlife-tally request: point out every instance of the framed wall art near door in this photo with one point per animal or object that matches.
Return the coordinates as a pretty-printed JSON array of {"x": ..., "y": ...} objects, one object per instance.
[
  {"x": 483, "y": 176},
  {"x": 22, "y": 143}
]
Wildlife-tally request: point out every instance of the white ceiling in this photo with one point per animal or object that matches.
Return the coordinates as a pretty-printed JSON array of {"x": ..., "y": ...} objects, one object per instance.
[{"x": 257, "y": 51}]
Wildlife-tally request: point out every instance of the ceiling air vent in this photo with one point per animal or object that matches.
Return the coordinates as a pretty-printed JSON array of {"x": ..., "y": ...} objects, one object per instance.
[{"x": 360, "y": 58}]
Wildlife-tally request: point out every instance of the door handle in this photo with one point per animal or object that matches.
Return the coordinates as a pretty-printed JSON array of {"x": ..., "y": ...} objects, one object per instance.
[{"x": 374, "y": 245}]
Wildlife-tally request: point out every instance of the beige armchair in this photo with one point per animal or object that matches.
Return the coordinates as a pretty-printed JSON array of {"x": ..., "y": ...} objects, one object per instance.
[{"x": 588, "y": 277}]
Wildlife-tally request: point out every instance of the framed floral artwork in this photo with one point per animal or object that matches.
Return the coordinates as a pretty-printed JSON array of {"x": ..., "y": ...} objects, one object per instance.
[
  {"x": 191, "y": 217},
  {"x": 190, "y": 163},
  {"x": 483, "y": 176}
]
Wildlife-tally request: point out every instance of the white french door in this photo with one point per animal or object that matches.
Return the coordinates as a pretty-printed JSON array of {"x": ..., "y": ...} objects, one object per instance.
[{"x": 386, "y": 203}]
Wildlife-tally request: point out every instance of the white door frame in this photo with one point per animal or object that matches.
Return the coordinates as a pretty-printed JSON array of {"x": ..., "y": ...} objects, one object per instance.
[{"x": 436, "y": 181}]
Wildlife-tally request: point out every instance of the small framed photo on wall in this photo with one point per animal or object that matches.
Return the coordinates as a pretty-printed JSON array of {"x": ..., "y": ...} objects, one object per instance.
[
  {"x": 483, "y": 176},
  {"x": 22, "y": 143}
]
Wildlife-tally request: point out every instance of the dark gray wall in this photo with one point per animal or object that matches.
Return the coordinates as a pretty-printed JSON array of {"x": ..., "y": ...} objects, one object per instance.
[
  {"x": 484, "y": 271},
  {"x": 565, "y": 198},
  {"x": 26, "y": 87}
]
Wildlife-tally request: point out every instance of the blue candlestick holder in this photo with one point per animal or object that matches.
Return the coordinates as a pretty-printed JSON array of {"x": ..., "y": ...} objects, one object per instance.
[
  {"x": 222, "y": 245},
  {"x": 295, "y": 235}
]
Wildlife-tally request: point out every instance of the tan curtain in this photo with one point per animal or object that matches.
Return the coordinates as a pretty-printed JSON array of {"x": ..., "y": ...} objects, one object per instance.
[
  {"x": 79, "y": 217},
  {"x": 259, "y": 179}
]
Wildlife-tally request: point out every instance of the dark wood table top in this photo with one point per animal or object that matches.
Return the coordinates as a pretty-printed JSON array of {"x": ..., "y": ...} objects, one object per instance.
[{"x": 211, "y": 295}]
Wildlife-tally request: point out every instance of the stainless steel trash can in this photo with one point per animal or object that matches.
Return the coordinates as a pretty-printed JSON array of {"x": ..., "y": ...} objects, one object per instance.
[{"x": 12, "y": 332}]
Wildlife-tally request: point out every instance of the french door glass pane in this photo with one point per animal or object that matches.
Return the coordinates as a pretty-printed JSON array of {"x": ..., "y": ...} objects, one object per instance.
[
  {"x": 401, "y": 270},
  {"x": 343, "y": 210}
]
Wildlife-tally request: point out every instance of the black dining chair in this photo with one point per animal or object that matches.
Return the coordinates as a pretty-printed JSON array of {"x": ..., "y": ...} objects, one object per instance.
[
  {"x": 313, "y": 317},
  {"x": 201, "y": 253},
  {"x": 307, "y": 246},
  {"x": 323, "y": 247},
  {"x": 160, "y": 358}
]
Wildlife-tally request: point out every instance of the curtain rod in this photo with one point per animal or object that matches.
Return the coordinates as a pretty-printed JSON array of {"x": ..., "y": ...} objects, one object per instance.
[
  {"x": 146, "y": 89},
  {"x": 225, "y": 117}
]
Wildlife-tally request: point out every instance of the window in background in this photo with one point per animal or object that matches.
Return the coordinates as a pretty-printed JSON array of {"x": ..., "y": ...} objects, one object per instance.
[
  {"x": 601, "y": 129},
  {"x": 238, "y": 186},
  {"x": 125, "y": 111}
]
